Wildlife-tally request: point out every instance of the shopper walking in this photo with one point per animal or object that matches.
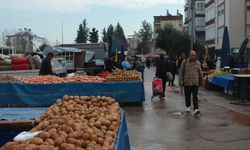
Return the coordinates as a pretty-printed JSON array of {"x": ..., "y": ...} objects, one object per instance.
[
  {"x": 139, "y": 66},
  {"x": 172, "y": 70},
  {"x": 161, "y": 72},
  {"x": 148, "y": 63},
  {"x": 190, "y": 76}
]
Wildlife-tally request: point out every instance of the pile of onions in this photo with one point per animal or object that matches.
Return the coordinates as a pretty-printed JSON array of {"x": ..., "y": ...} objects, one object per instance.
[
  {"x": 7, "y": 79},
  {"x": 55, "y": 79}
]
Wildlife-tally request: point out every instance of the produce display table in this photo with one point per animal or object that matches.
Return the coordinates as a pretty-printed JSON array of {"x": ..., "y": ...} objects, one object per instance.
[
  {"x": 35, "y": 72},
  {"x": 225, "y": 82},
  {"x": 44, "y": 95},
  {"x": 21, "y": 116},
  {"x": 242, "y": 84},
  {"x": 16, "y": 120}
]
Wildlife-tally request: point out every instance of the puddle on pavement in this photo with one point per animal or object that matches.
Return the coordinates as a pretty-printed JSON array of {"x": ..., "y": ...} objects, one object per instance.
[
  {"x": 223, "y": 124},
  {"x": 241, "y": 118},
  {"x": 178, "y": 114}
]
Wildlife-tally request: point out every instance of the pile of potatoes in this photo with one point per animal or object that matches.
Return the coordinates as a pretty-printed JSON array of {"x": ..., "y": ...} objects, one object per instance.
[
  {"x": 75, "y": 123},
  {"x": 123, "y": 76}
]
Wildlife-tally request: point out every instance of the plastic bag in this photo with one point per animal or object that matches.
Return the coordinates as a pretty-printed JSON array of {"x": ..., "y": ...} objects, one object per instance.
[
  {"x": 26, "y": 135},
  {"x": 169, "y": 76}
]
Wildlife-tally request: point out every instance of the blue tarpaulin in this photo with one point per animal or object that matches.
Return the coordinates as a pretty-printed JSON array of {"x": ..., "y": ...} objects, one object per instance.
[
  {"x": 225, "y": 82},
  {"x": 46, "y": 94},
  {"x": 122, "y": 142},
  {"x": 19, "y": 114},
  {"x": 8, "y": 132}
]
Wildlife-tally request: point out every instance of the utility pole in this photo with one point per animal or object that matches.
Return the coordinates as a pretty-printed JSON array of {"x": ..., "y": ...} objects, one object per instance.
[
  {"x": 192, "y": 25},
  {"x": 62, "y": 31}
]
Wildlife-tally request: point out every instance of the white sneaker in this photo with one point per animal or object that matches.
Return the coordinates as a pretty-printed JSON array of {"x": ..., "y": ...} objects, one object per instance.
[
  {"x": 196, "y": 112},
  {"x": 188, "y": 109}
]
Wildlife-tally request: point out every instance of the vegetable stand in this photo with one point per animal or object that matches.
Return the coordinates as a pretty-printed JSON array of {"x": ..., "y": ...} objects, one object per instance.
[
  {"x": 43, "y": 95},
  {"x": 16, "y": 120}
]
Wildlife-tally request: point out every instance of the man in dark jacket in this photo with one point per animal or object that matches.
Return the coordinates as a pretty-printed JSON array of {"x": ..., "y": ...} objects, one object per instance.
[
  {"x": 46, "y": 68},
  {"x": 111, "y": 65},
  {"x": 161, "y": 72}
]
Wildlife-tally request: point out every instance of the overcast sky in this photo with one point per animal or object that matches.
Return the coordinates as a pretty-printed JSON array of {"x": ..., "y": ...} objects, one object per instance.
[{"x": 46, "y": 17}]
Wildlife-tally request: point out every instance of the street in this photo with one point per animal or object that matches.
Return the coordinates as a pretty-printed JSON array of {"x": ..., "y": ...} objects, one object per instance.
[{"x": 164, "y": 125}]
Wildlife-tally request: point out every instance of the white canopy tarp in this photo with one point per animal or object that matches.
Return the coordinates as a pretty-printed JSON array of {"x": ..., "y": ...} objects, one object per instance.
[{"x": 89, "y": 55}]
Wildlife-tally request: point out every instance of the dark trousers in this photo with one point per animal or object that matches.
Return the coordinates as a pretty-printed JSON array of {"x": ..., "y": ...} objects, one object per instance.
[
  {"x": 141, "y": 70},
  {"x": 164, "y": 81},
  {"x": 194, "y": 91}
]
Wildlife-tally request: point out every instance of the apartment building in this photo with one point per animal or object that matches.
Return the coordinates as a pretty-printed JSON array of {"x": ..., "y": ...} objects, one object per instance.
[
  {"x": 235, "y": 14},
  {"x": 195, "y": 20},
  {"x": 175, "y": 20},
  {"x": 25, "y": 41},
  {"x": 133, "y": 42}
]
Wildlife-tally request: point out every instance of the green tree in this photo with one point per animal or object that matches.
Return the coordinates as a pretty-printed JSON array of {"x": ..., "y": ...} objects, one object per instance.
[
  {"x": 93, "y": 36},
  {"x": 82, "y": 33},
  {"x": 119, "y": 33},
  {"x": 104, "y": 35},
  {"x": 42, "y": 47},
  {"x": 172, "y": 41},
  {"x": 110, "y": 32},
  {"x": 120, "y": 37},
  {"x": 145, "y": 34}
]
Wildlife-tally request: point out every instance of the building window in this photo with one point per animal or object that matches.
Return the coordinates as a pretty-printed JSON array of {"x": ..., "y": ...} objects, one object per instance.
[
  {"x": 221, "y": 10},
  {"x": 220, "y": 31},
  {"x": 200, "y": 6},
  {"x": 248, "y": 30},
  {"x": 210, "y": 33},
  {"x": 220, "y": 1},
  {"x": 200, "y": 22},
  {"x": 210, "y": 14}
]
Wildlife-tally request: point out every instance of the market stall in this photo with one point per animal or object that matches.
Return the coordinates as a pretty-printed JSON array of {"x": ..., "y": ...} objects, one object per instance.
[
  {"x": 226, "y": 82},
  {"x": 242, "y": 84},
  {"x": 235, "y": 83},
  {"x": 46, "y": 94},
  {"x": 16, "y": 120},
  {"x": 90, "y": 129},
  {"x": 42, "y": 91}
]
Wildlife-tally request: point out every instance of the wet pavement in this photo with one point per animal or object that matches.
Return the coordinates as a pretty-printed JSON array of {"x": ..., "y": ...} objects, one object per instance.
[{"x": 164, "y": 125}]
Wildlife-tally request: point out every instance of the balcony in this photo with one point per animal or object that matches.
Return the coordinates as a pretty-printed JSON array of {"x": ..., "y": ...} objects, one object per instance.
[
  {"x": 209, "y": 3},
  {"x": 200, "y": 28},
  {"x": 210, "y": 22},
  {"x": 200, "y": 11},
  {"x": 187, "y": 20}
]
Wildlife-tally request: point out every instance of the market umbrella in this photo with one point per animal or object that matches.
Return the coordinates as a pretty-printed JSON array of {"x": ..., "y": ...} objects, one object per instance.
[
  {"x": 241, "y": 61},
  {"x": 243, "y": 47},
  {"x": 225, "y": 50}
]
